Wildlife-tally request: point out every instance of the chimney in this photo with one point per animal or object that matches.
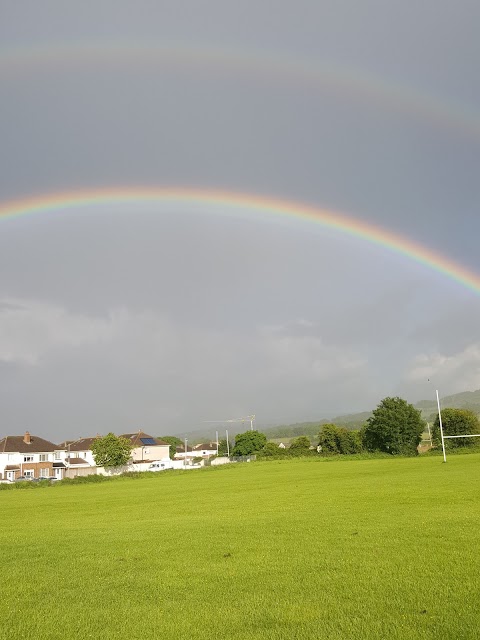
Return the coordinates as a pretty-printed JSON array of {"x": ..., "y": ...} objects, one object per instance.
[{"x": 26, "y": 438}]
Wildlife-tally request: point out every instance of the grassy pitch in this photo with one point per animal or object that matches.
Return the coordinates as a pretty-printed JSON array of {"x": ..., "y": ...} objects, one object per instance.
[{"x": 368, "y": 549}]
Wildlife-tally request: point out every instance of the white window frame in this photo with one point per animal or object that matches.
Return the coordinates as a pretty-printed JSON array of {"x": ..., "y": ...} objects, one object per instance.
[
  {"x": 57, "y": 455},
  {"x": 45, "y": 473},
  {"x": 43, "y": 457},
  {"x": 29, "y": 473},
  {"x": 27, "y": 458}
]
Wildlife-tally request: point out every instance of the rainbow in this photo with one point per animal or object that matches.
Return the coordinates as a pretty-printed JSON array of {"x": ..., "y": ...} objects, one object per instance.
[
  {"x": 270, "y": 65},
  {"x": 241, "y": 205}
]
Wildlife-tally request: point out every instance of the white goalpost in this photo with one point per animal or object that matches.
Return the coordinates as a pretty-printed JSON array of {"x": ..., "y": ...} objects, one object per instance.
[{"x": 443, "y": 437}]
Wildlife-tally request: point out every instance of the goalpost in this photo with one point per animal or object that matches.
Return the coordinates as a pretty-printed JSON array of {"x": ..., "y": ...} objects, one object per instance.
[{"x": 471, "y": 435}]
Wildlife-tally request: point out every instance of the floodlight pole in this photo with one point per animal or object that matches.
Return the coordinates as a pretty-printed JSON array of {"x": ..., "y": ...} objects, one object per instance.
[
  {"x": 441, "y": 426},
  {"x": 228, "y": 446},
  {"x": 216, "y": 435},
  {"x": 185, "y": 457}
]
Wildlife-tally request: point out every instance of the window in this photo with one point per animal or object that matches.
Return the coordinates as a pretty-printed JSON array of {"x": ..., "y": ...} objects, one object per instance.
[
  {"x": 28, "y": 473},
  {"x": 28, "y": 458},
  {"x": 57, "y": 455},
  {"x": 44, "y": 473},
  {"x": 44, "y": 457}
]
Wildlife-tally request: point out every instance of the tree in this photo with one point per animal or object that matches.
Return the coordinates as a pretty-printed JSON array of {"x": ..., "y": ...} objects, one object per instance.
[
  {"x": 300, "y": 446},
  {"x": 328, "y": 439},
  {"x": 111, "y": 451},
  {"x": 334, "y": 439},
  {"x": 354, "y": 439},
  {"x": 248, "y": 443},
  {"x": 272, "y": 450},
  {"x": 395, "y": 427},
  {"x": 456, "y": 422},
  {"x": 174, "y": 442}
]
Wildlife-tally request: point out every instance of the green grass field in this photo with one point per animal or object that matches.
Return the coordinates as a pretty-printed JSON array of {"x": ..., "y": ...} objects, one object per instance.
[{"x": 285, "y": 549}]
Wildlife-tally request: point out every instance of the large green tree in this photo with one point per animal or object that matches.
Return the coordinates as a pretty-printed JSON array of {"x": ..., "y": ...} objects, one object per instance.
[
  {"x": 174, "y": 442},
  {"x": 456, "y": 422},
  {"x": 111, "y": 451},
  {"x": 395, "y": 427},
  {"x": 248, "y": 443}
]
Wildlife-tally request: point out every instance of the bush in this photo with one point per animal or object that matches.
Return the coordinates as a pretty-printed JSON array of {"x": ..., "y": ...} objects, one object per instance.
[{"x": 335, "y": 440}]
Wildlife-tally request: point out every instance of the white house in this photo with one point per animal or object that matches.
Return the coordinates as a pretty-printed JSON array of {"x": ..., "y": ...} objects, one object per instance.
[
  {"x": 146, "y": 448},
  {"x": 29, "y": 456},
  {"x": 78, "y": 457},
  {"x": 206, "y": 449}
]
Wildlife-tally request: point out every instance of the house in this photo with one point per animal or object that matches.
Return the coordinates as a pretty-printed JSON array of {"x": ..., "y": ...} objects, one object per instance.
[
  {"x": 30, "y": 457},
  {"x": 146, "y": 448},
  {"x": 180, "y": 453},
  {"x": 78, "y": 457},
  {"x": 206, "y": 449},
  {"x": 80, "y": 449}
]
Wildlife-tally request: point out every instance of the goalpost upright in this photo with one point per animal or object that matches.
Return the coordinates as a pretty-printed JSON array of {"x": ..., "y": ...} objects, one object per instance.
[{"x": 469, "y": 435}]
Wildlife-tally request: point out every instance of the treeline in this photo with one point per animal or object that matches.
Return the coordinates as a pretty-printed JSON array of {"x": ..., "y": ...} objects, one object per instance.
[
  {"x": 395, "y": 427},
  {"x": 350, "y": 422}
]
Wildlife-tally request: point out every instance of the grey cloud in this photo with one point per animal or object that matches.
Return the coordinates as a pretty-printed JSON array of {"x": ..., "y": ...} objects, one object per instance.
[{"x": 144, "y": 316}]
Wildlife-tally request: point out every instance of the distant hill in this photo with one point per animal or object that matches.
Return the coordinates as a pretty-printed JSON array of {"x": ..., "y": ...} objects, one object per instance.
[{"x": 464, "y": 400}]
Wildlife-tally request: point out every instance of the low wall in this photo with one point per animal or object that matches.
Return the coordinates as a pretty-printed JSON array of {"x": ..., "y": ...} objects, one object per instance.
[{"x": 222, "y": 460}]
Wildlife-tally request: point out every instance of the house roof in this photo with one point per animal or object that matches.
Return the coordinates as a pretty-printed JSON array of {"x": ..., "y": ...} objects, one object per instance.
[
  {"x": 206, "y": 446},
  {"x": 17, "y": 444},
  {"x": 182, "y": 449},
  {"x": 82, "y": 444},
  {"x": 76, "y": 461},
  {"x": 12, "y": 467},
  {"x": 137, "y": 437}
]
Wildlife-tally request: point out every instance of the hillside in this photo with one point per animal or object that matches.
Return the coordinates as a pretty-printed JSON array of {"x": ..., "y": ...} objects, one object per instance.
[{"x": 464, "y": 400}]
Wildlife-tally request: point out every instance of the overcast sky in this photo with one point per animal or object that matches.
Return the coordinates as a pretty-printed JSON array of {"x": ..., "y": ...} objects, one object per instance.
[{"x": 158, "y": 317}]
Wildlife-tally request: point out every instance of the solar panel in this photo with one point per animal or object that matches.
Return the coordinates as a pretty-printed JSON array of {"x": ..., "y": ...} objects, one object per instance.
[{"x": 147, "y": 440}]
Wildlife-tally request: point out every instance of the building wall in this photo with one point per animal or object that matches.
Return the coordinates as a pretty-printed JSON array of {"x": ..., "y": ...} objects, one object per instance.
[
  {"x": 151, "y": 452},
  {"x": 73, "y": 472},
  {"x": 36, "y": 467}
]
